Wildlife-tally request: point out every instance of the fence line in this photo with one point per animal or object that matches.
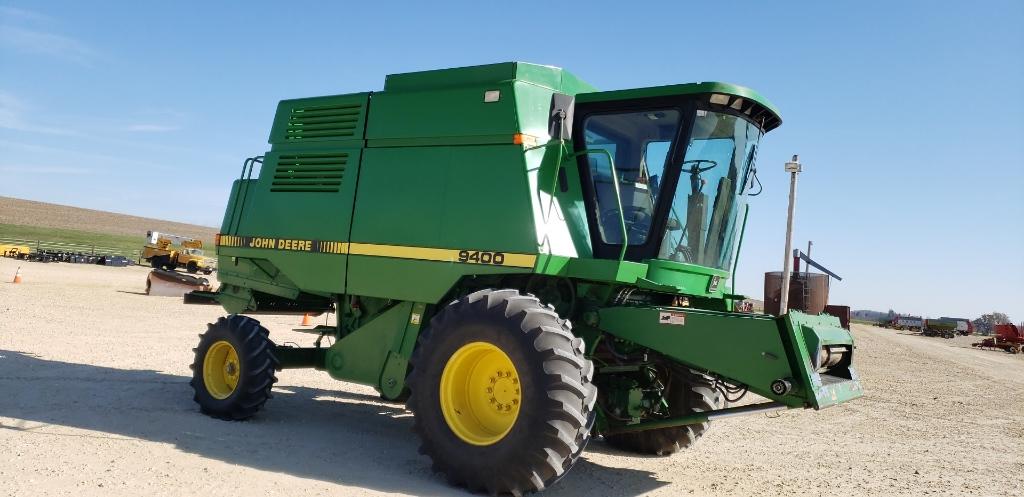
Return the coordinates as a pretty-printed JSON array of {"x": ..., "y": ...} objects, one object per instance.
[{"x": 71, "y": 247}]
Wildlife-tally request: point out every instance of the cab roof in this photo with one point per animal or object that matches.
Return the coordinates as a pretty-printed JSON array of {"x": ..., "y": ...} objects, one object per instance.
[{"x": 738, "y": 98}]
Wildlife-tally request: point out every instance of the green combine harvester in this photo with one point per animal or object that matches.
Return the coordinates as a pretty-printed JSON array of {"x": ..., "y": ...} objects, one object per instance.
[{"x": 528, "y": 262}]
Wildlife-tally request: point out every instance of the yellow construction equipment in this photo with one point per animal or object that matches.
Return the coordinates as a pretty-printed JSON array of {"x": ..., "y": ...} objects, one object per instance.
[
  {"x": 15, "y": 251},
  {"x": 161, "y": 253}
]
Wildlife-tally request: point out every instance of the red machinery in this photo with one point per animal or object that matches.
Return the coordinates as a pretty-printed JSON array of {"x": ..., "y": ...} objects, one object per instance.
[{"x": 1009, "y": 337}]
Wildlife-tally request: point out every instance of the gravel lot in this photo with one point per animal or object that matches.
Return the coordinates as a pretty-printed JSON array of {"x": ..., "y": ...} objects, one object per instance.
[{"x": 94, "y": 400}]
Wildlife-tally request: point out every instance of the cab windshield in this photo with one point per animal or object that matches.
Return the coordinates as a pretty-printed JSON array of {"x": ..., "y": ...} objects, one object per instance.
[
  {"x": 714, "y": 175},
  {"x": 711, "y": 178}
]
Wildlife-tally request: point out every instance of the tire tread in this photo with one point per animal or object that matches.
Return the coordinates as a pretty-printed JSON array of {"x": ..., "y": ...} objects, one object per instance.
[
  {"x": 258, "y": 370},
  {"x": 567, "y": 378}
]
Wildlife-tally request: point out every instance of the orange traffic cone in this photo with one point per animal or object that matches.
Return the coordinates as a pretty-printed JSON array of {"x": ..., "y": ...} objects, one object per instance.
[
  {"x": 17, "y": 275},
  {"x": 307, "y": 320}
]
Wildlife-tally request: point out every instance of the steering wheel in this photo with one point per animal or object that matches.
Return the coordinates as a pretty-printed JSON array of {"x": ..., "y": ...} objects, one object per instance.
[
  {"x": 637, "y": 219},
  {"x": 681, "y": 254},
  {"x": 696, "y": 183}
]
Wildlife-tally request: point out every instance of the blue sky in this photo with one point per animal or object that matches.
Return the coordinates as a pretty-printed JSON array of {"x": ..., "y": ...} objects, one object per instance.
[{"x": 907, "y": 115}]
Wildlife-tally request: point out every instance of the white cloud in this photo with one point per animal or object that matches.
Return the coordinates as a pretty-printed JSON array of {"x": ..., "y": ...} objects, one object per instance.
[
  {"x": 151, "y": 128},
  {"x": 9, "y": 13},
  {"x": 12, "y": 110},
  {"x": 10, "y": 101},
  {"x": 25, "y": 168},
  {"x": 101, "y": 162},
  {"x": 40, "y": 42}
]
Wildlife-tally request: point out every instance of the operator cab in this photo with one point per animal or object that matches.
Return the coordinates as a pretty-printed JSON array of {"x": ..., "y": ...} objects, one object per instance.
[{"x": 683, "y": 166}]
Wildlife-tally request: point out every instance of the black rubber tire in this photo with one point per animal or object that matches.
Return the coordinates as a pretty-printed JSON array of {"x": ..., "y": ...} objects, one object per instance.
[
  {"x": 156, "y": 263},
  {"x": 257, "y": 365},
  {"x": 192, "y": 267},
  {"x": 689, "y": 392},
  {"x": 556, "y": 413}
]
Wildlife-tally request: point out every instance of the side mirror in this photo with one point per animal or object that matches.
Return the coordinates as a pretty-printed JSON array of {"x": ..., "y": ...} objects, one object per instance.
[{"x": 560, "y": 120}]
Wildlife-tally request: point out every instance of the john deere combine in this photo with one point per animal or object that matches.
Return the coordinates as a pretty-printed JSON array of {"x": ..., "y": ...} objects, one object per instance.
[{"x": 527, "y": 261}]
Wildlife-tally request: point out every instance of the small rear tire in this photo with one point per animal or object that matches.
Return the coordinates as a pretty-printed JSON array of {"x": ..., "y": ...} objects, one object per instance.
[
  {"x": 689, "y": 392},
  {"x": 501, "y": 393},
  {"x": 192, "y": 267},
  {"x": 234, "y": 366}
]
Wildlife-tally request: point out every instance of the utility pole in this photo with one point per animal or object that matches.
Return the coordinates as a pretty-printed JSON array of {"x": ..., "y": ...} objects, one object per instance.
[{"x": 793, "y": 168}]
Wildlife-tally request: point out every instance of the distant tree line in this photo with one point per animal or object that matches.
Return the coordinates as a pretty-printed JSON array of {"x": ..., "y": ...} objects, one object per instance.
[
  {"x": 866, "y": 315},
  {"x": 987, "y": 322}
]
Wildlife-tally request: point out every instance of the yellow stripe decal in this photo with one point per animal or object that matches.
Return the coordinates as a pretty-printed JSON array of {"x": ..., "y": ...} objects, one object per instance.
[
  {"x": 484, "y": 257},
  {"x": 445, "y": 255}
]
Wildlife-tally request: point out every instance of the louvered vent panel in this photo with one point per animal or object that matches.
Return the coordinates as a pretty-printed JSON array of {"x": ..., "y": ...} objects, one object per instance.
[
  {"x": 309, "y": 172},
  {"x": 337, "y": 121}
]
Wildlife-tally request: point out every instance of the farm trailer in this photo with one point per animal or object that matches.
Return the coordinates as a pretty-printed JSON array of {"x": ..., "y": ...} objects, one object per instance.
[
  {"x": 905, "y": 323},
  {"x": 945, "y": 327},
  {"x": 1009, "y": 337}
]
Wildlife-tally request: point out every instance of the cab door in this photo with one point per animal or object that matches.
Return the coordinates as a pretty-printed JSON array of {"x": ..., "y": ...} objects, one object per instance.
[{"x": 625, "y": 147}]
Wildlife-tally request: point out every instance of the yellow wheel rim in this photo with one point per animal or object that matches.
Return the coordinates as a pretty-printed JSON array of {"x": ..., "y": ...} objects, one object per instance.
[
  {"x": 480, "y": 393},
  {"x": 220, "y": 370}
]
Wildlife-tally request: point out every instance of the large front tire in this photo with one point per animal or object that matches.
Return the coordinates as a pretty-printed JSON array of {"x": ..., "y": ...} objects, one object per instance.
[
  {"x": 234, "y": 367},
  {"x": 689, "y": 392},
  {"x": 501, "y": 393}
]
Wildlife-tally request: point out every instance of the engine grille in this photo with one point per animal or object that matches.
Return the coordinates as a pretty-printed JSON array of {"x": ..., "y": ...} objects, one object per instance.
[
  {"x": 314, "y": 173},
  {"x": 338, "y": 121}
]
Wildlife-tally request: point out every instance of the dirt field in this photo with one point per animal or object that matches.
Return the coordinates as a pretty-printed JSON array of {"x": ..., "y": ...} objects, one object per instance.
[
  {"x": 94, "y": 400},
  {"x": 32, "y": 213}
]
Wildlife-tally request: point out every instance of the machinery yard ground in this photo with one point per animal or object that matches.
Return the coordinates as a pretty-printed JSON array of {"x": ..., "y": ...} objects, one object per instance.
[{"x": 95, "y": 400}]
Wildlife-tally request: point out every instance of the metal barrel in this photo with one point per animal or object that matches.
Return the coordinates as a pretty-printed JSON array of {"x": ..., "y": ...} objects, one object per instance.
[{"x": 808, "y": 292}]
